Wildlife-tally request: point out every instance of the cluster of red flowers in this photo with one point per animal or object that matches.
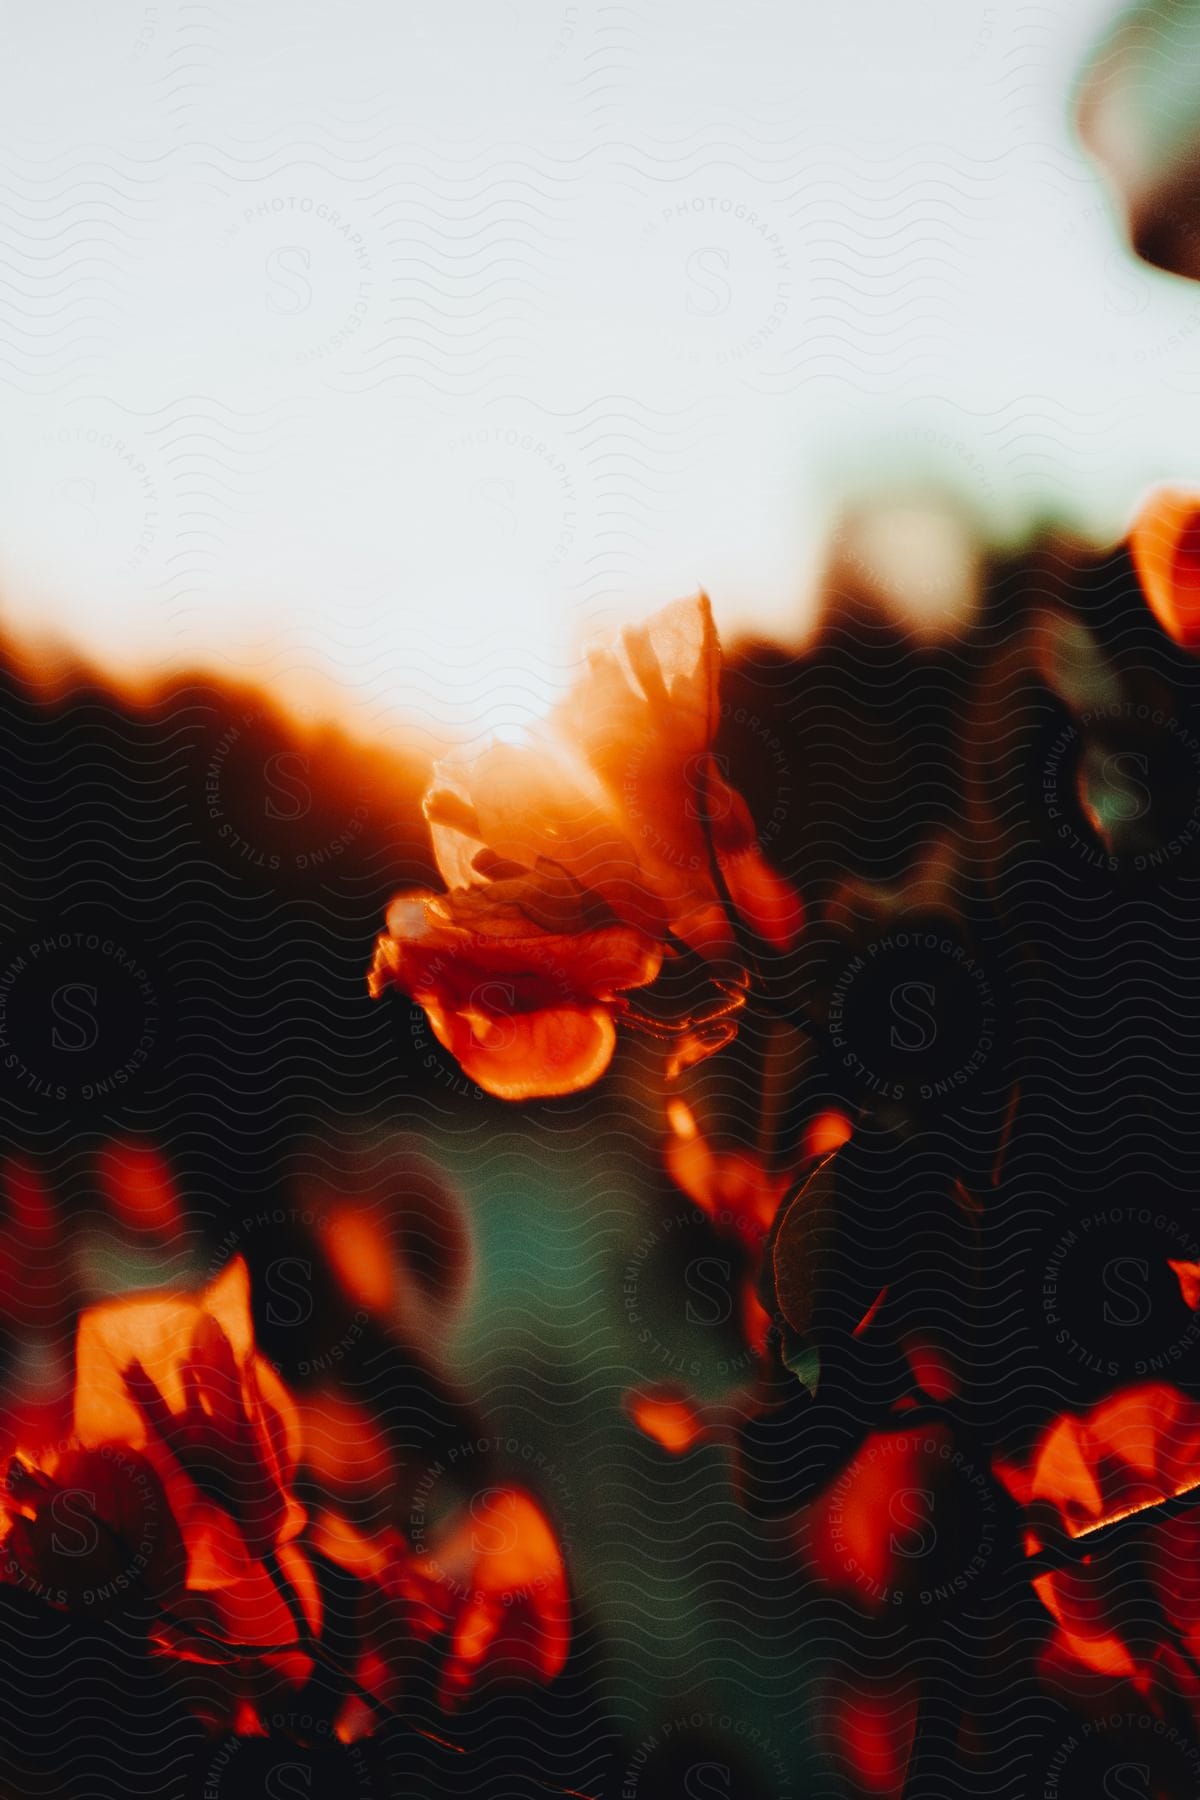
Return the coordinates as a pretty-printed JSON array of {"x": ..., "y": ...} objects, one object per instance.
[
  {"x": 590, "y": 865},
  {"x": 605, "y": 873},
  {"x": 169, "y": 1496}
]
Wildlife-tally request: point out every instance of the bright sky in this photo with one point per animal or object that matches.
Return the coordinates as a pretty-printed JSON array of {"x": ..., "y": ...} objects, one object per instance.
[{"x": 398, "y": 346}]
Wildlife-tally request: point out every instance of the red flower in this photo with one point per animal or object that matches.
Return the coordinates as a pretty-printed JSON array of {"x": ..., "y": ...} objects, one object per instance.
[
  {"x": 492, "y": 1588},
  {"x": 91, "y": 1531},
  {"x": 524, "y": 1010},
  {"x": 1120, "y": 1462},
  {"x": 496, "y": 1579},
  {"x": 177, "y": 1377},
  {"x": 576, "y": 861}
]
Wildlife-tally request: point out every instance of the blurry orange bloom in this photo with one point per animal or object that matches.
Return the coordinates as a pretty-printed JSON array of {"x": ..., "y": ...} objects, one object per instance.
[
  {"x": 491, "y": 1590},
  {"x": 345, "y": 1450},
  {"x": 871, "y": 1721},
  {"x": 91, "y": 1531},
  {"x": 393, "y": 1230},
  {"x": 741, "y": 1197},
  {"x": 734, "y": 1187},
  {"x": 855, "y": 1524},
  {"x": 574, "y": 861},
  {"x": 138, "y": 1186},
  {"x": 1138, "y": 1447},
  {"x": 907, "y": 1517},
  {"x": 523, "y": 1010},
  {"x": 1120, "y": 1461},
  {"x": 1188, "y": 1276},
  {"x": 671, "y": 1418},
  {"x": 827, "y": 1133},
  {"x": 496, "y": 1580},
  {"x": 177, "y": 1377},
  {"x": 1165, "y": 545}
]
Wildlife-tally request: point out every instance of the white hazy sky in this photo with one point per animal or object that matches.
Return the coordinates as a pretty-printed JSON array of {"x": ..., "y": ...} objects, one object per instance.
[{"x": 394, "y": 346}]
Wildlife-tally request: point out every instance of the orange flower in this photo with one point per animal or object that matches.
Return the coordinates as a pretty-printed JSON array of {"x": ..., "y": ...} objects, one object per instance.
[
  {"x": 620, "y": 790},
  {"x": 734, "y": 1187},
  {"x": 1129, "y": 1459},
  {"x": 1165, "y": 546},
  {"x": 92, "y": 1531},
  {"x": 1188, "y": 1276},
  {"x": 177, "y": 1377},
  {"x": 574, "y": 861},
  {"x": 524, "y": 1010},
  {"x": 670, "y": 1417},
  {"x": 1139, "y": 1447},
  {"x": 496, "y": 1577},
  {"x": 492, "y": 1590}
]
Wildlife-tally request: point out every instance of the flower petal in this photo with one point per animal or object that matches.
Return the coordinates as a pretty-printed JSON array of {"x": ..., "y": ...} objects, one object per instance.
[
  {"x": 529, "y": 1055},
  {"x": 1165, "y": 546}
]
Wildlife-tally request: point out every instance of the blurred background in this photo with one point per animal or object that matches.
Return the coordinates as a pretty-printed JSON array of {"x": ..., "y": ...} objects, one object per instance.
[
  {"x": 358, "y": 364},
  {"x": 395, "y": 352}
]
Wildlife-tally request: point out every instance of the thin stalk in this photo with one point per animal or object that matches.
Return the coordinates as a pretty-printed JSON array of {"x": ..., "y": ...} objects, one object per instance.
[{"x": 1098, "y": 1538}]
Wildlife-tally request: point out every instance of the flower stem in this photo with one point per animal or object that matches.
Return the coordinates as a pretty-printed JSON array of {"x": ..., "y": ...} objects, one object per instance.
[
  {"x": 311, "y": 1647},
  {"x": 1099, "y": 1538}
]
